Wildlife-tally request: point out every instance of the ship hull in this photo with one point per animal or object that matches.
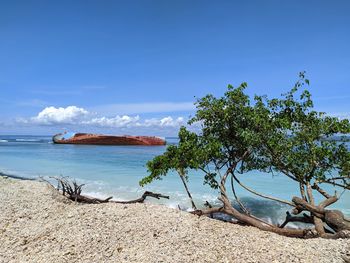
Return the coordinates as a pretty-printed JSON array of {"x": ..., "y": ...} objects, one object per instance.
[{"x": 97, "y": 139}]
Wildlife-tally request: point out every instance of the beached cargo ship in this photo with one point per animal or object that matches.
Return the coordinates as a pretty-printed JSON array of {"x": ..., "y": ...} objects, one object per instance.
[{"x": 100, "y": 139}]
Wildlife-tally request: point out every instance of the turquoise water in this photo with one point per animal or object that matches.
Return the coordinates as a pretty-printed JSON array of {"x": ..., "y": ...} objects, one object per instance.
[{"x": 116, "y": 170}]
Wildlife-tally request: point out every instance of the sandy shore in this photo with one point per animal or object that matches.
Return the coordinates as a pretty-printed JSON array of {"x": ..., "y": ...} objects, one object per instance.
[{"x": 39, "y": 225}]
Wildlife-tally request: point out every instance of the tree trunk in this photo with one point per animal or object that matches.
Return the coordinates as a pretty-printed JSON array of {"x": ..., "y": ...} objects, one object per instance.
[
  {"x": 318, "y": 215},
  {"x": 248, "y": 220},
  {"x": 317, "y": 221},
  {"x": 182, "y": 176}
]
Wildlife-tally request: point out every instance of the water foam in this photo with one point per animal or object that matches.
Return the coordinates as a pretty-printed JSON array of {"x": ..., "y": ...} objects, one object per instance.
[{"x": 28, "y": 140}]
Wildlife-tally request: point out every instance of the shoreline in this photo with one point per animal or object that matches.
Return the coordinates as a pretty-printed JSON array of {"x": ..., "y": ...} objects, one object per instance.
[
  {"x": 254, "y": 201},
  {"x": 39, "y": 225},
  {"x": 4, "y": 175}
]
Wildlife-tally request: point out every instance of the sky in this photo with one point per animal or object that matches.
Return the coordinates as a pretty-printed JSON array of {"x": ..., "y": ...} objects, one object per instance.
[{"x": 136, "y": 67}]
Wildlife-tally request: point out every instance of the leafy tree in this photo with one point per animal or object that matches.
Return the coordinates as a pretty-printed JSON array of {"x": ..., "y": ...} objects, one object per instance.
[
  {"x": 239, "y": 134},
  {"x": 301, "y": 146},
  {"x": 179, "y": 158}
]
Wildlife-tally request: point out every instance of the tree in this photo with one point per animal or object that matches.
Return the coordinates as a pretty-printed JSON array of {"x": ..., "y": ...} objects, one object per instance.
[
  {"x": 178, "y": 158},
  {"x": 238, "y": 134},
  {"x": 301, "y": 146}
]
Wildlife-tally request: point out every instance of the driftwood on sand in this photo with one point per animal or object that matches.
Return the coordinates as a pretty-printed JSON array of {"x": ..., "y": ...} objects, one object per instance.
[
  {"x": 37, "y": 224},
  {"x": 73, "y": 191},
  {"x": 338, "y": 225}
]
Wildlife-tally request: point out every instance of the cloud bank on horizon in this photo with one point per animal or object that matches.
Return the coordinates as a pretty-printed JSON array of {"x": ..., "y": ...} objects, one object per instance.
[
  {"x": 73, "y": 115},
  {"x": 81, "y": 117}
]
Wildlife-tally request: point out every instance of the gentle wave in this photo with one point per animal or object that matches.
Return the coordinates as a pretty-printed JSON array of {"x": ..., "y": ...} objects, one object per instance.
[
  {"x": 28, "y": 140},
  {"x": 4, "y": 141},
  {"x": 116, "y": 171},
  {"x": 269, "y": 211}
]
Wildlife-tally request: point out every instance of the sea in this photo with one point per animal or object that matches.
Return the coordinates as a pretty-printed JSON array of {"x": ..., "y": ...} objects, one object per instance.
[{"x": 116, "y": 171}]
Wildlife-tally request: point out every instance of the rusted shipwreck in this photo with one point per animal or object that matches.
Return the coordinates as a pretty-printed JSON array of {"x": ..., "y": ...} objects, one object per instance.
[{"x": 100, "y": 139}]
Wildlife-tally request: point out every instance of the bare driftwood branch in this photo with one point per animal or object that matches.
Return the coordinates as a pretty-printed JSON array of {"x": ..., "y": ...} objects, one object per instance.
[
  {"x": 208, "y": 211},
  {"x": 142, "y": 198},
  {"x": 334, "y": 219},
  {"x": 72, "y": 190}
]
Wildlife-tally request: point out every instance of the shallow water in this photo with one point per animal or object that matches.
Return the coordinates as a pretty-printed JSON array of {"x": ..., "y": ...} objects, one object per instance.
[{"x": 116, "y": 170}]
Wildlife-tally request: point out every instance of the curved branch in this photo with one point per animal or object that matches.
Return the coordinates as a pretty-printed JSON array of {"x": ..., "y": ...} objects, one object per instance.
[
  {"x": 301, "y": 205},
  {"x": 182, "y": 177},
  {"x": 245, "y": 210},
  {"x": 336, "y": 184},
  {"x": 338, "y": 178},
  {"x": 328, "y": 201},
  {"x": 320, "y": 190},
  {"x": 223, "y": 179},
  {"x": 262, "y": 195},
  {"x": 246, "y": 219}
]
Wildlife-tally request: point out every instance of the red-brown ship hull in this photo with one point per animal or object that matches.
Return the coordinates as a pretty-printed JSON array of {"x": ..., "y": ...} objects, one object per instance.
[{"x": 98, "y": 139}]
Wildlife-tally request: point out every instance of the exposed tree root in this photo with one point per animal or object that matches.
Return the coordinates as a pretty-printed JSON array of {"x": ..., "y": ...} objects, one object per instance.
[
  {"x": 318, "y": 215},
  {"x": 333, "y": 218},
  {"x": 248, "y": 220},
  {"x": 304, "y": 219}
]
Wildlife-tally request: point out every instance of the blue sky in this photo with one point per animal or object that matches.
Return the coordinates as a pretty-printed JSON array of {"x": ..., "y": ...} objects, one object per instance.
[{"x": 136, "y": 66}]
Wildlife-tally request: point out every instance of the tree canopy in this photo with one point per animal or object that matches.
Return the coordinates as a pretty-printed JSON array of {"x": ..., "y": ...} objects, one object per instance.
[{"x": 236, "y": 134}]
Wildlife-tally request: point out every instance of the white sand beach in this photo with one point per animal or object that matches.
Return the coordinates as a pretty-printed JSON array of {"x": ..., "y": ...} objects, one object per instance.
[{"x": 39, "y": 225}]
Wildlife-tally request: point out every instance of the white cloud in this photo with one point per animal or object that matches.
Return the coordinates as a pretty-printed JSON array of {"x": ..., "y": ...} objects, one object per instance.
[
  {"x": 52, "y": 115},
  {"x": 118, "y": 121},
  {"x": 73, "y": 115},
  {"x": 164, "y": 122},
  {"x": 134, "y": 121}
]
